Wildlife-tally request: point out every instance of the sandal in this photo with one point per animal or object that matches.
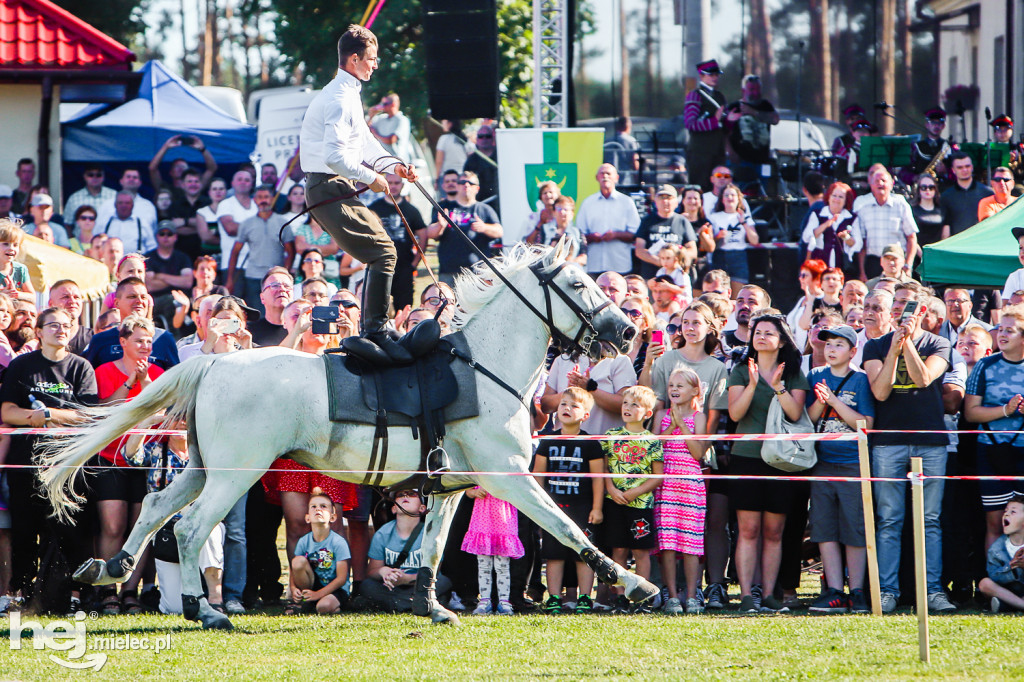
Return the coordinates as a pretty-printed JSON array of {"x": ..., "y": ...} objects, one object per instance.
[
  {"x": 292, "y": 608},
  {"x": 219, "y": 608},
  {"x": 110, "y": 605},
  {"x": 130, "y": 604}
]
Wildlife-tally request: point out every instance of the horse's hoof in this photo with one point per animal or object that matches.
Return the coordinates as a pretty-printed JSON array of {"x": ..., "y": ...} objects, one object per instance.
[
  {"x": 442, "y": 616},
  {"x": 216, "y": 621},
  {"x": 638, "y": 589},
  {"x": 94, "y": 572}
]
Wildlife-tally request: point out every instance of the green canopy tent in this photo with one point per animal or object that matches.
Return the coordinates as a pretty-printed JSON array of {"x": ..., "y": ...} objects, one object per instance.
[{"x": 982, "y": 256}]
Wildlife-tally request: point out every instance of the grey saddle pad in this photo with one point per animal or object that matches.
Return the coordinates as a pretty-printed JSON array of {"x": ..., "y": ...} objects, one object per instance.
[{"x": 348, "y": 403}]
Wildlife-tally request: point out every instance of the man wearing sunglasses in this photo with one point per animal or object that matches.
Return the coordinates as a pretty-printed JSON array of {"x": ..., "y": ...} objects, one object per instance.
[
  {"x": 1001, "y": 183},
  {"x": 485, "y": 164},
  {"x": 1002, "y": 133},
  {"x": 477, "y": 220},
  {"x": 721, "y": 177},
  {"x": 337, "y": 151},
  {"x": 93, "y": 194}
]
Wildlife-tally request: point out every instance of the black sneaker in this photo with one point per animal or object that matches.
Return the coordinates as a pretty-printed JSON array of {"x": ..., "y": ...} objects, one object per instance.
[
  {"x": 715, "y": 596},
  {"x": 831, "y": 601},
  {"x": 757, "y": 592},
  {"x": 621, "y": 605},
  {"x": 645, "y": 606},
  {"x": 584, "y": 604},
  {"x": 553, "y": 606},
  {"x": 859, "y": 602}
]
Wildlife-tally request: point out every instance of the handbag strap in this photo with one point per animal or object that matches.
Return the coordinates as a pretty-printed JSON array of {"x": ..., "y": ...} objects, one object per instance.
[
  {"x": 827, "y": 414},
  {"x": 988, "y": 427}
]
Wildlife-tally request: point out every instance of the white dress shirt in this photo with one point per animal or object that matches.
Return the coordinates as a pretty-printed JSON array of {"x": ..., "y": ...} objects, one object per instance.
[
  {"x": 599, "y": 214},
  {"x": 335, "y": 138},
  {"x": 143, "y": 209}
]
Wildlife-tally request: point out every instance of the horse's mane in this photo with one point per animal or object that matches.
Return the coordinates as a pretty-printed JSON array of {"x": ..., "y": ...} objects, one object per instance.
[{"x": 475, "y": 288}]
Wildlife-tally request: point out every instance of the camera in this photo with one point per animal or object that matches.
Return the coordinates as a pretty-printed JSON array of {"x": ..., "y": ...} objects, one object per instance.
[{"x": 325, "y": 318}]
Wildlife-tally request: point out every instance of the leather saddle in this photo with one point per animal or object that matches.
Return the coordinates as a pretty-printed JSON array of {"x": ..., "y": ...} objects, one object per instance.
[{"x": 420, "y": 391}]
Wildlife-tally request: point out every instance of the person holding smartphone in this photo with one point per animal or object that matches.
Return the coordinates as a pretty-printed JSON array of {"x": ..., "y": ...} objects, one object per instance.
[{"x": 906, "y": 369}]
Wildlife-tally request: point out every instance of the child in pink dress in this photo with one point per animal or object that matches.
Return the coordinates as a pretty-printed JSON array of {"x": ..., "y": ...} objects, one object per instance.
[
  {"x": 493, "y": 535},
  {"x": 680, "y": 503}
]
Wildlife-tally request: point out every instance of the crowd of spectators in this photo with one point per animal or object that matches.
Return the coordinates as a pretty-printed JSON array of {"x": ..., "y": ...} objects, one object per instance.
[{"x": 210, "y": 267}]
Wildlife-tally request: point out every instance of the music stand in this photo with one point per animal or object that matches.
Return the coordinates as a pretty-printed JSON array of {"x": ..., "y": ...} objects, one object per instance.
[
  {"x": 998, "y": 154},
  {"x": 892, "y": 151}
]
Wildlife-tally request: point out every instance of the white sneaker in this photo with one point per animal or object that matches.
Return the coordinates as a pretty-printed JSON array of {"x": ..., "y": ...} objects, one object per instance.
[
  {"x": 483, "y": 608},
  {"x": 694, "y": 607},
  {"x": 889, "y": 602},
  {"x": 234, "y": 607},
  {"x": 938, "y": 602},
  {"x": 673, "y": 607},
  {"x": 995, "y": 605},
  {"x": 455, "y": 604}
]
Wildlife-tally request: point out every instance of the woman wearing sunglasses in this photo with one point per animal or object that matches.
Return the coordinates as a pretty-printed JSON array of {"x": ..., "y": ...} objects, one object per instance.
[
  {"x": 927, "y": 210},
  {"x": 641, "y": 313}
]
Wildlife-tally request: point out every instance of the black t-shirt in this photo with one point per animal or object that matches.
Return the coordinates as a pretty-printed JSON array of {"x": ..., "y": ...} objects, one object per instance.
[
  {"x": 80, "y": 341},
  {"x": 66, "y": 384},
  {"x": 453, "y": 253},
  {"x": 910, "y": 406},
  {"x": 929, "y": 224},
  {"x": 392, "y": 222},
  {"x": 265, "y": 333},
  {"x": 569, "y": 457},
  {"x": 174, "y": 265},
  {"x": 182, "y": 208},
  {"x": 675, "y": 229}
]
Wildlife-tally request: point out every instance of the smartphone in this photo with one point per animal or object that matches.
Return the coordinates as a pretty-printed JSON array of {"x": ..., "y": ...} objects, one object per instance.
[
  {"x": 187, "y": 141},
  {"x": 658, "y": 336},
  {"x": 228, "y": 325},
  {"x": 908, "y": 311},
  {"x": 325, "y": 319}
]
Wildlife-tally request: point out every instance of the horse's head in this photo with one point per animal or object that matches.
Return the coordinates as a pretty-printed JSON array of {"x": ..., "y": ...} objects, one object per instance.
[{"x": 580, "y": 314}]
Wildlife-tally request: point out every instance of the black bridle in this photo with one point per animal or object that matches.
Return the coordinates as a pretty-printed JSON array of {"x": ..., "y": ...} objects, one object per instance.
[{"x": 587, "y": 333}]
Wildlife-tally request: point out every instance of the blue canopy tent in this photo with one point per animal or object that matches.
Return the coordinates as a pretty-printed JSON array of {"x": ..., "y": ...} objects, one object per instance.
[{"x": 133, "y": 132}]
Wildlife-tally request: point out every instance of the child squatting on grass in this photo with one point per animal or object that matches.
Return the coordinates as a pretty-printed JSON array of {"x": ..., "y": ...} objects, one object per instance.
[
  {"x": 582, "y": 500},
  {"x": 1005, "y": 581},
  {"x": 320, "y": 564},
  {"x": 629, "y": 519}
]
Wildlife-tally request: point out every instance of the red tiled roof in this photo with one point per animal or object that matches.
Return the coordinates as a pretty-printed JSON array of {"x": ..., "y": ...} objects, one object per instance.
[{"x": 37, "y": 34}]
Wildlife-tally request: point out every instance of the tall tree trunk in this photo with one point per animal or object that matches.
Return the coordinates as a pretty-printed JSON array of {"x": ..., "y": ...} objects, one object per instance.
[
  {"x": 659, "y": 84},
  {"x": 649, "y": 57},
  {"x": 887, "y": 60},
  {"x": 210, "y": 43},
  {"x": 760, "y": 55},
  {"x": 624, "y": 61},
  {"x": 820, "y": 59},
  {"x": 906, "y": 43}
]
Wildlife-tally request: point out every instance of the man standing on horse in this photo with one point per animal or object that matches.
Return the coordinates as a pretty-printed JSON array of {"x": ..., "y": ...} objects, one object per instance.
[{"x": 337, "y": 150}]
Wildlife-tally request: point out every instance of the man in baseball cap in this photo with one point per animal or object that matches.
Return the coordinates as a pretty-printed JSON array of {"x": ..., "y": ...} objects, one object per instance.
[{"x": 661, "y": 228}]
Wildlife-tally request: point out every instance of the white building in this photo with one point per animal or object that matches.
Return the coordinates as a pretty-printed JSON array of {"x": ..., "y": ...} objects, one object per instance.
[{"x": 979, "y": 42}]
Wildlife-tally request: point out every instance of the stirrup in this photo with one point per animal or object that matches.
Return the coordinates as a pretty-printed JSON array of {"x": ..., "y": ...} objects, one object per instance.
[{"x": 438, "y": 462}]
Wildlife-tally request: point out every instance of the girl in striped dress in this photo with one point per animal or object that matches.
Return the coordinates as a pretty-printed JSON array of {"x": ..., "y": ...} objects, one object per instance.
[{"x": 680, "y": 503}]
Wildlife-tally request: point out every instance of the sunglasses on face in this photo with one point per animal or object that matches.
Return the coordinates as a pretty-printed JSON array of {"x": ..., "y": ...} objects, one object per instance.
[
  {"x": 635, "y": 314},
  {"x": 466, "y": 182},
  {"x": 927, "y": 188},
  {"x": 164, "y": 234},
  {"x": 349, "y": 304},
  {"x": 312, "y": 260},
  {"x": 87, "y": 217},
  {"x": 94, "y": 174},
  {"x": 1002, "y": 179},
  {"x": 673, "y": 329},
  {"x": 484, "y": 136},
  {"x": 722, "y": 175}
]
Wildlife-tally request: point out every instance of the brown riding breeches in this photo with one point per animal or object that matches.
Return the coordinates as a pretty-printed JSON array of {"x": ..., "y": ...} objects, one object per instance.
[{"x": 355, "y": 228}]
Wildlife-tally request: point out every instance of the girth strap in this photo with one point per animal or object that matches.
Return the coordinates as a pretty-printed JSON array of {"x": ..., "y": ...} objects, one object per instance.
[{"x": 380, "y": 437}]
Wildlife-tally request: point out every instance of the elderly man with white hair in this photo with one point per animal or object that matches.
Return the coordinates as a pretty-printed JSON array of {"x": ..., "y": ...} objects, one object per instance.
[{"x": 609, "y": 221}]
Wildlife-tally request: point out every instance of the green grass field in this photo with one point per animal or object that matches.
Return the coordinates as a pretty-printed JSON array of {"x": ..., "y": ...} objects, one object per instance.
[{"x": 364, "y": 647}]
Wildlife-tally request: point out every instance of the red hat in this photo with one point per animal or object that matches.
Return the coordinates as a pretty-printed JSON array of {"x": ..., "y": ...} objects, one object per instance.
[
  {"x": 1002, "y": 120},
  {"x": 853, "y": 110}
]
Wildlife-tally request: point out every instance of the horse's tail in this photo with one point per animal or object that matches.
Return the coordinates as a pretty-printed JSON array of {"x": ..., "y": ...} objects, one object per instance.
[{"x": 61, "y": 459}]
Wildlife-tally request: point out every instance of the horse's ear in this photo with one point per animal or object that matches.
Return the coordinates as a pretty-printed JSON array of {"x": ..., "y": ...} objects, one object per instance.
[{"x": 563, "y": 250}]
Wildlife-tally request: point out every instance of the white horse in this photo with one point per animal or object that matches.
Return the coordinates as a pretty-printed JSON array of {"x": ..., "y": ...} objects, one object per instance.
[{"x": 246, "y": 409}]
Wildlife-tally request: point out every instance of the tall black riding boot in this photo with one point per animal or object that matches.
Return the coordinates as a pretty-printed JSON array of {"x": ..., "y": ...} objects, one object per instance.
[{"x": 374, "y": 320}]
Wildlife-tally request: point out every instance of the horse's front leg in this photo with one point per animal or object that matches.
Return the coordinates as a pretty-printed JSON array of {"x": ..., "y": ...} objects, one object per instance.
[
  {"x": 435, "y": 535},
  {"x": 526, "y": 495}
]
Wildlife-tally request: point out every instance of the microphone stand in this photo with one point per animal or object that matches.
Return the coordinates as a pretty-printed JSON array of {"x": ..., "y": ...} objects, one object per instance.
[
  {"x": 799, "y": 116},
  {"x": 988, "y": 143}
]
